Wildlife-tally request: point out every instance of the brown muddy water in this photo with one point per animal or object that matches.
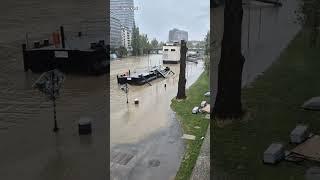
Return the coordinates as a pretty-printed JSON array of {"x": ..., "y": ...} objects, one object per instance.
[
  {"x": 151, "y": 113},
  {"x": 29, "y": 149},
  {"x": 148, "y": 132}
]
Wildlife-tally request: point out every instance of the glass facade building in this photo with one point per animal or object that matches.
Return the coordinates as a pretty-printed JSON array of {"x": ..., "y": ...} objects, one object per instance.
[
  {"x": 176, "y": 35},
  {"x": 124, "y": 11},
  {"x": 115, "y": 32},
  {"x": 126, "y": 36}
]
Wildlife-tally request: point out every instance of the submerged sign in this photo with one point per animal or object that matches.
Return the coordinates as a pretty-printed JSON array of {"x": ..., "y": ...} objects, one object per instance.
[{"x": 50, "y": 83}]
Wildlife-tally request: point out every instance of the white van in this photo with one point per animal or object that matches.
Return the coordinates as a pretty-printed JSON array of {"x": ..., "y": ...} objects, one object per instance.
[{"x": 171, "y": 53}]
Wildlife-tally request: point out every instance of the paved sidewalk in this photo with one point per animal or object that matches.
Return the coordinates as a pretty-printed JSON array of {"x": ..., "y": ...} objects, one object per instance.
[{"x": 201, "y": 171}]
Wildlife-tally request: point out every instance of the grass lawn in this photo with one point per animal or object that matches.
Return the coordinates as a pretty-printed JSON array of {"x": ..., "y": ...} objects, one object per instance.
[
  {"x": 273, "y": 104},
  {"x": 188, "y": 121}
]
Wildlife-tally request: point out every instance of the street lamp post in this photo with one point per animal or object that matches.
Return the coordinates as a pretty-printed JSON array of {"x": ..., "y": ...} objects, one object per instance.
[
  {"x": 127, "y": 92},
  {"x": 50, "y": 84},
  {"x": 55, "y": 129}
]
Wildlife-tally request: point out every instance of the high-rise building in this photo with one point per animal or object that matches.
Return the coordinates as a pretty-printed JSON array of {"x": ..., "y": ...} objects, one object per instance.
[
  {"x": 115, "y": 31},
  {"x": 126, "y": 35},
  {"x": 124, "y": 10},
  {"x": 176, "y": 35}
]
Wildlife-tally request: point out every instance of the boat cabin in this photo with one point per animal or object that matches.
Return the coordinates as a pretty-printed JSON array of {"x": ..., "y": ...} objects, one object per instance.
[{"x": 171, "y": 53}]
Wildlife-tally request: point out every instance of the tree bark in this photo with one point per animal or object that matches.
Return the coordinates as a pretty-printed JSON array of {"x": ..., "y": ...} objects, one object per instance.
[
  {"x": 228, "y": 99},
  {"x": 182, "y": 76}
]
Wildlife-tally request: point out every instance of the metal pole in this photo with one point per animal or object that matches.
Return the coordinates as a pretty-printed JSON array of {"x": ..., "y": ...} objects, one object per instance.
[
  {"x": 55, "y": 129},
  {"x": 148, "y": 61},
  {"x": 127, "y": 92},
  {"x": 62, "y": 37},
  {"x": 25, "y": 64}
]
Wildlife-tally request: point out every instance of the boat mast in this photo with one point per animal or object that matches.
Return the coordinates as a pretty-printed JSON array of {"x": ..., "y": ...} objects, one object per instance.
[
  {"x": 62, "y": 37},
  {"x": 149, "y": 60}
]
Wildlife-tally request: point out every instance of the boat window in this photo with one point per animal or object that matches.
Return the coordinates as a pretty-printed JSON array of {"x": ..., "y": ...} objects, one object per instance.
[
  {"x": 173, "y": 50},
  {"x": 165, "y": 49}
]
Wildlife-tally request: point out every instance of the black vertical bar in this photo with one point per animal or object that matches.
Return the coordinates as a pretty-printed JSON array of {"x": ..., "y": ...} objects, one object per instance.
[
  {"x": 62, "y": 36},
  {"x": 149, "y": 61},
  {"x": 55, "y": 129},
  {"x": 25, "y": 62},
  {"x": 127, "y": 92}
]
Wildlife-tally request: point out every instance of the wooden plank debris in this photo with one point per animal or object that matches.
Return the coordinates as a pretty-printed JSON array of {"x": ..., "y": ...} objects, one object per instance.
[{"x": 310, "y": 149}]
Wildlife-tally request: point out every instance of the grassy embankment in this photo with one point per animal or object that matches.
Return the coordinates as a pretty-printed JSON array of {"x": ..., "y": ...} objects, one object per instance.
[
  {"x": 273, "y": 104},
  {"x": 188, "y": 121}
]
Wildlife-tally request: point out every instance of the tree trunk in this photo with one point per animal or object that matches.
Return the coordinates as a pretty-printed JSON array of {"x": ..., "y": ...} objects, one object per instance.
[
  {"x": 228, "y": 99},
  {"x": 182, "y": 76}
]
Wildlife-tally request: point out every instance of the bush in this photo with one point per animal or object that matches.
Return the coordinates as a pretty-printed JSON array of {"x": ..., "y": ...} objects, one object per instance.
[{"x": 121, "y": 52}]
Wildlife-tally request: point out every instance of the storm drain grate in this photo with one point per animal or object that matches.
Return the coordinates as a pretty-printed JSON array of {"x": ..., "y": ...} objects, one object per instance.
[
  {"x": 154, "y": 163},
  {"x": 121, "y": 158}
]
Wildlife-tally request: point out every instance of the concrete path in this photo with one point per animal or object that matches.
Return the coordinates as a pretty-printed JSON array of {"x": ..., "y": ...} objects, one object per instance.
[
  {"x": 201, "y": 171},
  {"x": 156, "y": 157}
]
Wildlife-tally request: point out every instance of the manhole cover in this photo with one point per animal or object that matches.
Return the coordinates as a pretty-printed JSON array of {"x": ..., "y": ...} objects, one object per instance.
[
  {"x": 121, "y": 158},
  {"x": 154, "y": 163}
]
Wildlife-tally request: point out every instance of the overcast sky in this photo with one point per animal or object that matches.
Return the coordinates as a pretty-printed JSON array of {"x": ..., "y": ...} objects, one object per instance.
[{"x": 156, "y": 18}]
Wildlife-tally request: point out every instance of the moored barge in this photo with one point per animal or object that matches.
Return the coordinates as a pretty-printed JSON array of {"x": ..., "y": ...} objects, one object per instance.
[
  {"x": 140, "y": 78},
  {"x": 80, "y": 57}
]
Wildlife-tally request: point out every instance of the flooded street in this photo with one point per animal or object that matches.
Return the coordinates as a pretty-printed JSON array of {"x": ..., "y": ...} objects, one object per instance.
[
  {"x": 29, "y": 148},
  {"x": 148, "y": 131},
  {"x": 154, "y": 100}
]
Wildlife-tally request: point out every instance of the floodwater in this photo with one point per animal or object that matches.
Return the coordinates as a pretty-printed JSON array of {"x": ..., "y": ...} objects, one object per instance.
[
  {"x": 154, "y": 100},
  {"x": 29, "y": 149},
  {"x": 148, "y": 131}
]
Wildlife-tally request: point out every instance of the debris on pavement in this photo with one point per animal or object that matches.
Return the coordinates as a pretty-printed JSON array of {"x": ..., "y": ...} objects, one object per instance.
[
  {"x": 206, "y": 109},
  {"x": 274, "y": 153},
  {"x": 309, "y": 149},
  {"x": 195, "y": 110},
  {"x": 188, "y": 137},
  {"x": 299, "y": 134},
  {"x": 203, "y": 104}
]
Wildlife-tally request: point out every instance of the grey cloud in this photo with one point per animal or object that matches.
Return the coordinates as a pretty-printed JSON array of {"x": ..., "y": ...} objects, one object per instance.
[{"x": 156, "y": 18}]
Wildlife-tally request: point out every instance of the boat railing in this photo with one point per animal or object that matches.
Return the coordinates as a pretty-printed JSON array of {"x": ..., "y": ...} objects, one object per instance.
[{"x": 145, "y": 69}]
